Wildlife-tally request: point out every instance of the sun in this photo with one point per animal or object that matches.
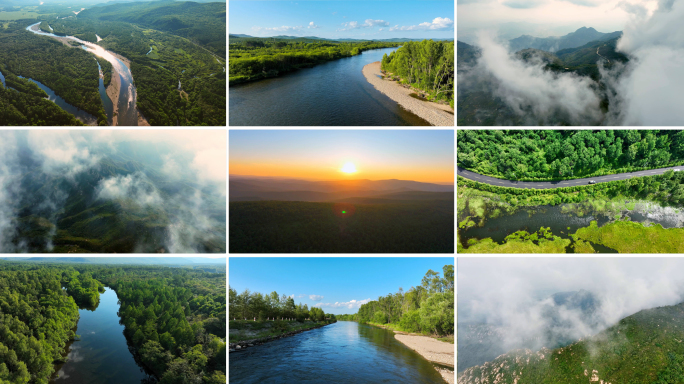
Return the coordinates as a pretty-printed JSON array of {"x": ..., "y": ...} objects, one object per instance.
[{"x": 348, "y": 168}]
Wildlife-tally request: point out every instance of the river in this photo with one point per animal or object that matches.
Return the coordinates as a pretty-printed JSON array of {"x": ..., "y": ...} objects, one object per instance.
[
  {"x": 101, "y": 355},
  {"x": 127, "y": 113},
  {"x": 343, "y": 352},
  {"x": 332, "y": 93}
]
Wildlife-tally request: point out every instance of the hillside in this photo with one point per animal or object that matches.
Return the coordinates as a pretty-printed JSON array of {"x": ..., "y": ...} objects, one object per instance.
[
  {"x": 645, "y": 348},
  {"x": 578, "y": 38}
]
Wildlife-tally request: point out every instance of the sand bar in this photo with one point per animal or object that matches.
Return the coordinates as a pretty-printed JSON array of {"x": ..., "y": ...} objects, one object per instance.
[
  {"x": 433, "y": 350},
  {"x": 434, "y": 113}
]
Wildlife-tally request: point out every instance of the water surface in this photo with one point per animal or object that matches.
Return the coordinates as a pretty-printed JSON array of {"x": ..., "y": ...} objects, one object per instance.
[
  {"x": 80, "y": 114},
  {"x": 343, "y": 352},
  {"x": 101, "y": 355},
  {"x": 332, "y": 93}
]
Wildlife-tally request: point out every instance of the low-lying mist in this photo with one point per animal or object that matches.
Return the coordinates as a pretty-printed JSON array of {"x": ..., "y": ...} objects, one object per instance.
[
  {"x": 644, "y": 91},
  {"x": 112, "y": 191},
  {"x": 511, "y": 303}
]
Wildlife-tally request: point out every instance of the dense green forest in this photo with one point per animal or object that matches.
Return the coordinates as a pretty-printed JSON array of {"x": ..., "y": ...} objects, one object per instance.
[
  {"x": 293, "y": 226},
  {"x": 644, "y": 348},
  {"x": 427, "y": 308},
  {"x": 159, "y": 60},
  {"x": 37, "y": 318},
  {"x": 566, "y": 154},
  {"x": 19, "y": 108},
  {"x": 70, "y": 72},
  {"x": 254, "y": 305},
  {"x": 254, "y": 58},
  {"x": 426, "y": 65},
  {"x": 175, "y": 318}
]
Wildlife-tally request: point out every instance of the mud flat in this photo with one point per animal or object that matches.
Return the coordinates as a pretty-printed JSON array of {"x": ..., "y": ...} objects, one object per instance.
[{"x": 435, "y": 114}]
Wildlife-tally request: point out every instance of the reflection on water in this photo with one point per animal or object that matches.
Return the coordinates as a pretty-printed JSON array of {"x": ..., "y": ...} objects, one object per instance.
[
  {"x": 101, "y": 355},
  {"x": 332, "y": 93},
  {"x": 127, "y": 113},
  {"x": 343, "y": 352}
]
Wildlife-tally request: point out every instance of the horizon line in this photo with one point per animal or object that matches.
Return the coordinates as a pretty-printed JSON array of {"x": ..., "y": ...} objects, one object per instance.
[{"x": 303, "y": 179}]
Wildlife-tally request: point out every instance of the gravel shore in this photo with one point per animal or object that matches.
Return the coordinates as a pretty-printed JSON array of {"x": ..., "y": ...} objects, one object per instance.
[
  {"x": 433, "y": 350},
  {"x": 435, "y": 114},
  {"x": 113, "y": 92}
]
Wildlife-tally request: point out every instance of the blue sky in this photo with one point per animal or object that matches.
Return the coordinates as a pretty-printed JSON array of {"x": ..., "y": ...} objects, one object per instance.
[
  {"x": 343, "y": 19},
  {"x": 338, "y": 283},
  {"x": 419, "y": 155}
]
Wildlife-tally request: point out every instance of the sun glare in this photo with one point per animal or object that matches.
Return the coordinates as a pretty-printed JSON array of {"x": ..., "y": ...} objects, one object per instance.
[{"x": 348, "y": 168}]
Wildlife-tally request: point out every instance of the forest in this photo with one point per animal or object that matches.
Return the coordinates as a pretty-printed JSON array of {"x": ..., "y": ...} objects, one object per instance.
[
  {"x": 425, "y": 226},
  {"x": 20, "y": 108},
  {"x": 255, "y": 59},
  {"x": 174, "y": 317},
  {"x": 531, "y": 155},
  {"x": 255, "y": 305},
  {"x": 71, "y": 73},
  {"x": 427, "y": 308},
  {"x": 427, "y": 65},
  {"x": 643, "y": 348}
]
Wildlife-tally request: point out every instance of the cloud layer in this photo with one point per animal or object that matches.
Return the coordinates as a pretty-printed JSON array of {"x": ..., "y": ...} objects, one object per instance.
[{"x": 347, "y": 304}]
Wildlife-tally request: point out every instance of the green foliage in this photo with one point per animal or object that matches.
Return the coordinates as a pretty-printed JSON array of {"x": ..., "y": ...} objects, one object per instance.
[
  {"x": 17, "y": 108},
  {"x": 566, "y": 154},
  {"x": 255, "y": 59},
  {"x": 290, "y": 226},
  {"x": 427, "y": 308},
  {"x": 427, "y": 65}
]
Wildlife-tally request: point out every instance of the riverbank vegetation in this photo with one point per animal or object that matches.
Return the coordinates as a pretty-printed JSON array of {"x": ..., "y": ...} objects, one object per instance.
[
  {"x": 18, "y": 108},
  {"x": 71, "y": 73},
  {"x": 259, "y": 58},
  {"x": 427, "y": 308},
  {"x": 537, "y": 155},
  {"x": 295, "y": 226},
  {"x": 630, "y": 237},
  {"x": 242, "y": 330},
  {"x": 37, "y": 318},
  {"x": 256, "y": 306},
  {"x": 542, "y": 241},
  {"x": 427, "y": 65}
]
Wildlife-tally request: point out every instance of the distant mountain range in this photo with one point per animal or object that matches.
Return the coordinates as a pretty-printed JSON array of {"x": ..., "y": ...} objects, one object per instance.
[
  {"x": 578, "y": 38},
  {"x": 124, "y": 260},
  {"x": 251, "y": 189},
  {"x": 284, "y": 37}
]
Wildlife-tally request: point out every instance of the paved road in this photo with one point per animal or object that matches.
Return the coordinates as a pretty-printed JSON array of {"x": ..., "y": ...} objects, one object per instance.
[{"x": 557, "y": 184}]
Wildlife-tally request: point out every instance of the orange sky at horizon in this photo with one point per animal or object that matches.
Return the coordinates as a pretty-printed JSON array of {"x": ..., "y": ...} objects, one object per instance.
[{"x": 424, "y": 156}]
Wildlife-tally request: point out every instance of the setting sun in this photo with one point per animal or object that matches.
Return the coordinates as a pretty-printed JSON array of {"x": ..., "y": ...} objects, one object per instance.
[{"x": 348, "y": 168}]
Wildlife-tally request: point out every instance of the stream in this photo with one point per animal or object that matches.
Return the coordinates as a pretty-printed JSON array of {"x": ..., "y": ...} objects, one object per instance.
[{"x": 127, "y": 113}]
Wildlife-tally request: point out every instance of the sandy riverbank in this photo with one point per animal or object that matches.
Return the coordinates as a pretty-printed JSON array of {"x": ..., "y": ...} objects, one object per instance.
[
  {"x": 142, "y": 121},
  {"x": 435, "y": 114},
  {"x": 113, "y": 92},
  {"x": 433, "y": 350}
]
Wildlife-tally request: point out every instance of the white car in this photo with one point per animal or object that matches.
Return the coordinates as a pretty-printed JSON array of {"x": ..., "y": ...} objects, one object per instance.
[
  {"x": 592, "y": 182},
  {"x": 676, "y": 169}
]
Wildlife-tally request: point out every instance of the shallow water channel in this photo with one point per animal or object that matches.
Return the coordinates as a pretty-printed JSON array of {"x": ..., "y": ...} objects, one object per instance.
[
  {"x": 101, "y": 355},
  {"x": 127, "y": 113},
  {"x": 343, "y": 352},
  {"x": 562, "y": 224}
]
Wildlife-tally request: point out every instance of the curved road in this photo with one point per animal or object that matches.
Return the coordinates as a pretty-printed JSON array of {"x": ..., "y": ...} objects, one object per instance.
[{"x": 557, "y": 184}]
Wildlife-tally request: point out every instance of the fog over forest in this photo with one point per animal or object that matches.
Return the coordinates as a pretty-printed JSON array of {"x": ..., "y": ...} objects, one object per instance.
[
  {"x": 112, "y": 191},
  {"x": 644, "y": 91},
  {"x": 543, "y": 302}
]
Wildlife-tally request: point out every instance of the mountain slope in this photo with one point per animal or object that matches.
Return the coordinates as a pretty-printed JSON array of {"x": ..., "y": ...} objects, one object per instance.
[
  {"x": 553, "y": 44},
  {"x": 645, "y": 348}
]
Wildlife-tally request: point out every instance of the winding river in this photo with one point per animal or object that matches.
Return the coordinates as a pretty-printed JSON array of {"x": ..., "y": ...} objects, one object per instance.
[
  {"x": 343, "y": 352},
  {"x": 101, "y": 355},
  {"x": 127, "y": 113},
  {"x": 332, "y": 93}
]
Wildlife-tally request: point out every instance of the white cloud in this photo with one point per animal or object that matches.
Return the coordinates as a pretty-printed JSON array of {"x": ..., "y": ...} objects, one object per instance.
[
  {"x": 315, "y": 297},
  {"x": 312, "y": 25},
  {"x": 291, "y": 296},
  {"x": 348, "y": 304},
  {"x": 439, "y": 23},
  {"x": 369, "y": 23},
  {"x": 62, "y": 152},
  {"x": 133, "y": 187},
  {"x": 284, "y": 28}
]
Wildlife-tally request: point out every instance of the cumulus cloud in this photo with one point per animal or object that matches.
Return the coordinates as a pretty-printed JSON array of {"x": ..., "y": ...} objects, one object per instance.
[
  {"x": 513, "y": 294},
  {"x": 439, "y": 23},
  {"x": 347, "y": 304},
  {"x": 312, "y": 25},
  {"x": 315, "y": 297},
  {"x": 284, "y": 28}
]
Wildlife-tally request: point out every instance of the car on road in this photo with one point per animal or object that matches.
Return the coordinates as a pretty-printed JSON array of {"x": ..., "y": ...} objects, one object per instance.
[
  {"x": 592, "y": 182},
  {"x": 676, "y": 169}
]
